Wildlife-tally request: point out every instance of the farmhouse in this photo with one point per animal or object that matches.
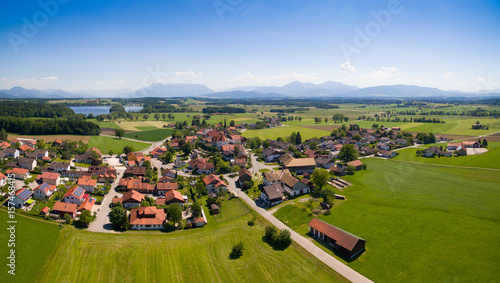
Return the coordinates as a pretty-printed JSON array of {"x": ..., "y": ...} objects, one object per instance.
[
  {"x": 357, "y": 164},
  {"x": 272, "y": 195},
  {"x": 387, "y": 153},
  {"x": 214, "y": 184},
  {"x": 244, "y": 176},
  {"x": 147, "y": 218},
  {"x": 345, "y": 243},
  {"x": 293, "y": 186},
  {"x": 300, "y": 165}
]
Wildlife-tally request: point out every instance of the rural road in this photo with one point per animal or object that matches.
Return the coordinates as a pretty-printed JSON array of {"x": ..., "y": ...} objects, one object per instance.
[{"x": 329, "y": 260}]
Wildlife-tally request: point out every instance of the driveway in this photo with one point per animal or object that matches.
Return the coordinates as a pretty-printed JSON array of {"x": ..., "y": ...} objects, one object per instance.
[{"x": 101, "y": 223}]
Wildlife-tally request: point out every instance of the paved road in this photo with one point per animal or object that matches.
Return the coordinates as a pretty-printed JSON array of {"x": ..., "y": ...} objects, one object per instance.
[
  {"x": 329, "y": 260},
  {"x": 101, "y": 223}
]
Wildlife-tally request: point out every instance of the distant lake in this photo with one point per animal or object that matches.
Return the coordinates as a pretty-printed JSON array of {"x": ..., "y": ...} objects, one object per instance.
[{"x": 97, "y": 110}]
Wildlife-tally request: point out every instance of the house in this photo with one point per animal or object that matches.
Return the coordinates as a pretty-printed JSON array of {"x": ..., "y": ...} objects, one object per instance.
[
  {"x": 324, "y": 161},
  {"x": 454, "y": 146},
  {"x": 169, "y": 173},
  {"x": 201, "y": 165},
  {"x": 87, "y": 204},
  {"x": 402, "y": 141},
  {"x": 272, "y": 195},
  {"x": 131, "y": 199},
  {"x": 27, "y": 163},
  {"x": 357, "y": 164},
  {"x": 471, "y": 144},
  {"x": 4, "y": 145},
  {"x": 271, "y": 154},
  {"x": 387, "y": 153},
  {"x": 21, "y": 196},
  {"x": 11, "y": 152},
  {"x": 436, "y": 151},
  {"x": 44, "y": 191},
  {"x": 159, "y": 151},
  {"x": 174, "y": 196},
  {"x": 45, "y": 211},
  {"x": 74, "y": 195},
  {"x": 136, "y": 184},
  {"x": 293, "y": 186},
  {"x": 273, "y": 177},
  {"x": 311, "y": 153},
  {"x": 147, "y": 218},
  {"x": 345, "y": 243},
  {"x": 49, "y": 178},
  {"x": 24, "y": 148},
  {"x": 135, "y": 171},
  {"x": 18, "y": 173},
  {"x": 104, "y": 174},
  {"x": 63, "y": 208},
  {"x": 240, "y": 162},
  {"x": 300, "y": 165},
  {"x": 383, "y": 146},
  {"x": 244, "y": 176},
  {"x": 199, "y": 222},
  {"x": 3, "y": 179},
  {"x": 214, "y": 184},
  {"x": 59, "y": 166},
  {"x": 87, "y": 183},
  {"x": 191, "y": 139},
  {"x": 338, "y": 170},
  {"x": 137, "y": 158},
  {"x": 163, "y": 188}
]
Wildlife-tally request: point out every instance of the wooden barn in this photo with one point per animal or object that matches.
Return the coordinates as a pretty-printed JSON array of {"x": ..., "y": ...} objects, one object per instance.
[{"x": 345, "y": 243}]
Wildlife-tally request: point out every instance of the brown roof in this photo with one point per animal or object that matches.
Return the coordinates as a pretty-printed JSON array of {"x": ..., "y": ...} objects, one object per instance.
[
  {"x": 299, "y": 162},
  {"x": 48, "y": 175},
  {"x": 342, "y": 238},
  {"x": 173, "y": 195},
  {"x": 213, "y": 179},
  {"x": 355, "y": 163},
  {"x": 274, "y": 191},
  {"x": 289, "y": 180},
  {"x": 86, "y": 181},
  {"x": 167, "y": 186},
  {"x": 132, "y": 196},
  {"x": 147, "y": 215},
  {"x": 272, "y": 176},
  {"x": 65, "y": 207}
]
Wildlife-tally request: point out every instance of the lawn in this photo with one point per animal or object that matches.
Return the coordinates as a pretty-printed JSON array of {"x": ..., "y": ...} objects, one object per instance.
[
  {"x": 194, "y": 255},
  {"x": 422, "y": 223},
  {"x": 274, "y": 133},
  {"x": 35, "y": 241},
  {"x": 105, "y": 144},
  {"x": 150, "y": 135},
  {"x": 230, "y": 209},
  {"x": 487, "y": 160}
]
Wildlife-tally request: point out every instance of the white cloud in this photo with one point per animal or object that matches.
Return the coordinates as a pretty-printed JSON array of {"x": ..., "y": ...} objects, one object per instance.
[
  {"x": 383, "y": 74},
  {"x": 347, "y": 68},
  {"x": 27, "y": 82},
  {"x": 249, "y": 78},
  {"x": 448, "y": 77},
  {"x": 190, "y": 74}
]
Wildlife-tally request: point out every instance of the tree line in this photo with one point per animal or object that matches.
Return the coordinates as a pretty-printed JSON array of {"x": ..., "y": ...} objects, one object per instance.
[
  {"x": 223, "y": 109},
  {"x": 21, "y": 109},
  {"x": 49, "y": 126}
]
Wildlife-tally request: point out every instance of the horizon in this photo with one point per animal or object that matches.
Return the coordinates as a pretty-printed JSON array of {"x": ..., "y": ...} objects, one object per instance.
[{"x": 111, "y": 46}]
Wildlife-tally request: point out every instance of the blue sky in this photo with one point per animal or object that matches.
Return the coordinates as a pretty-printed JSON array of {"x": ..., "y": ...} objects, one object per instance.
[{"x": 125, "y": 44}]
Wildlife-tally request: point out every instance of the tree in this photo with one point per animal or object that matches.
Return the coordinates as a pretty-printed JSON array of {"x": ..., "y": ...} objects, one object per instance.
[
  {"x": 67, "y": 217},
  {"x": 164, "y": 116},
  {"x": 298, "y": 138},
  {"x": 283, "y": 240},
  {"x": 118, "y": 217},
  {"x": 157, "y": 116},
  {"x": 85, "y": 217},
  {"x": 485, "y": 143},
  {"x": 270, "y": 233},
  {"x": 3, "y": 134},
  {"x": 200, "y": 189},
  {"x": 196, "y": 209},
  {"x": 168, "y": 157},
  {"x": 348, "y": 153},
  {"x": 127, "y": 149},
  {"x": 265, "y": 144},
  {"x": 350, "y": 169},
  {"x": 237, "y": 251},
  {"x": 174, "y": 213},
  {"x": 187, "y": 148},
  {"x": 120, "y": 133},
  {"x": 232, "y": 123},
  {"x": 117, "y": 108},
  {"x": 320, "y": 177},
  {"x": 145, "y": 116},
  {"x": 95, "y": 157}
]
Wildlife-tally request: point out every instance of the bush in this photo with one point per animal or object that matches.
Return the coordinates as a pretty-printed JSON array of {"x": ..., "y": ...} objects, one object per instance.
[
  {"x": 237, "y": 251},
  {"x": 270, "y": 234},
  {"x": 283, "y": 240}
]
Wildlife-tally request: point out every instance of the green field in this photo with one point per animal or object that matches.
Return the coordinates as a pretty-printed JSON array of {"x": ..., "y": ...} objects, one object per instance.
[
  {"x": 274, "y": 133},
  {"x": 150, "y": 135},
  {"x": 489, "y": 159},
  {"x": 116, "y": 145},
  {"x": 35, "y": 241},
  {"x": 423, "y": 223},
  {"x": 194, "y": 255}
]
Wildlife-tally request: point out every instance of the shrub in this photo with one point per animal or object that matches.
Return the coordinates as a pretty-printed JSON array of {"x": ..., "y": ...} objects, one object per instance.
[{"x": 237, "y": 251}]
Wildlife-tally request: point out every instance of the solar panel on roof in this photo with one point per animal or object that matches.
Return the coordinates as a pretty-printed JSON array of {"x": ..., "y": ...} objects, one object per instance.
[
  {"x": 24, "y": 194},
  {"x": 78, "y": 191}
]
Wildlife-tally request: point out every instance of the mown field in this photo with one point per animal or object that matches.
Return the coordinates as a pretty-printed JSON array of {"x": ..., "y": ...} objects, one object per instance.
[
  {"x": 274, "y": 133},
  {"x": 35, "y": 242},
  {"x": 195, "y": 255},
  {"x": 105, "y": 144},
  {"x": 150, "y": 135},
  {"x": 423, "y": 223}
]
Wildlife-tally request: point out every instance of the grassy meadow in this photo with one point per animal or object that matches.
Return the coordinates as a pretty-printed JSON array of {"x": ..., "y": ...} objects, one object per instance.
[
  {"x": 105, "y": 144},
  {"x": 423, "y": 223}
]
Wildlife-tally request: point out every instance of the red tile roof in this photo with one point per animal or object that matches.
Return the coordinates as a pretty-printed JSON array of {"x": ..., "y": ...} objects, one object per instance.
[
  {"x": 65, "y": 207},
  {"x": 342, "y": 238},
  {"x": 147, "y": 215}
]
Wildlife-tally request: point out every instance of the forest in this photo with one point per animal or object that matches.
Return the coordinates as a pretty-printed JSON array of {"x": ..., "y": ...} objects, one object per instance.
[{"x": 56, "y": 126}]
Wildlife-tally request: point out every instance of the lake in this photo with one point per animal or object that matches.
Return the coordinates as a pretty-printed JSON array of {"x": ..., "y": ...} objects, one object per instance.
[{"x": 97, "y": 110}]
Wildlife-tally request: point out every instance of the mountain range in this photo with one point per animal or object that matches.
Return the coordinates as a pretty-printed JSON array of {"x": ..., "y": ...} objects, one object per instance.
[{"x": 294, "y": 89}]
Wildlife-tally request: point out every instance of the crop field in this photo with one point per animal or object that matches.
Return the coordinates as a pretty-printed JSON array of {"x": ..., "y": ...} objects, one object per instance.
[
  {"x": 51, "y": 138},
  {"x": 151, "y": 135},
  {"x": 422, "y": 222},
  {"x": 105, "y": 144},
  {"x": 194, "y": 255}
]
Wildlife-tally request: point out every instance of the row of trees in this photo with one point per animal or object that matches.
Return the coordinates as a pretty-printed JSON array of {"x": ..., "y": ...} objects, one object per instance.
[
  {"x": 55, "y": 126},
  {"x": 20, "y": 109}
]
